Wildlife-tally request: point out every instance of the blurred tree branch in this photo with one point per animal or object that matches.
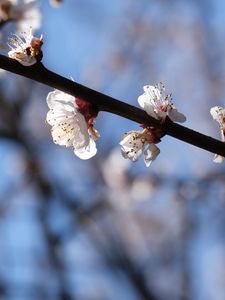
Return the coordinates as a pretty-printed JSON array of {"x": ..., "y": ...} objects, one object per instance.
[{"x": 106, "y": 103}]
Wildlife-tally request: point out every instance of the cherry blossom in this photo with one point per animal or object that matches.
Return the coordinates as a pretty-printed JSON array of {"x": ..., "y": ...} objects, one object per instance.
[
  {"x": 26, "y": 49},
  {"x": 158, "y": 104},
  {"x": 218, "y": 114},
  {"x": 72, "y": 123},
  {"x": 137, "y": 143}
]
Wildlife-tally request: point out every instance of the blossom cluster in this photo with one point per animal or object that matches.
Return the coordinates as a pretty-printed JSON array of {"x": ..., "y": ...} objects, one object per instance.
[
  {"x": 72, "y": 121},
  {"x": 158, "y": 105}
]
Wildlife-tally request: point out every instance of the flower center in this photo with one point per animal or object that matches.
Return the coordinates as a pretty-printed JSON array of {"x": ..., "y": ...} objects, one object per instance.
[
  {"x": 87, "y": 110},
  {"x": 153, "y": 135}
]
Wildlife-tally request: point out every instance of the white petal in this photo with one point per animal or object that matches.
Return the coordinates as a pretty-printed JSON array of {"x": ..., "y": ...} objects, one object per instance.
[
  {"x": 214, "y": 111},
  {"x": 55, "y": 116},
  {"x": 150, "y": 154},
  {"x": 55, "y": 97},
  {"x": 132, "y": 144},
  {"x": 133, "y": 156},
  {"x": 142, "y": 100},
  {"x": 176, "y": 116},
  {"x": 71, "y": 132},
  {"x": 155, "y": 113},
  {"x": 87, "y": 152},
  {"x": 63, "y": 133},
  {"x": 218, "y": 159},
  {"x": 154, "y": 93},
  {"x": 218, "y": 114},
  {"x": 126, "y": 139}
]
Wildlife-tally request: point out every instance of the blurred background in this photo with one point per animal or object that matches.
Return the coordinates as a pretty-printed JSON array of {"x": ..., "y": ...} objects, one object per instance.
[{"x": 107, "y": 229}]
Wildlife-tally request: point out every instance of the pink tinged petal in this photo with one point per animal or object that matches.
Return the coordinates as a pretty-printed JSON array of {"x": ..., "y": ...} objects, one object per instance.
[
  {"x": 88, "y": 151},
  {"x": 150, "y": 154},
  {"x": 176, "y": 116},
  {"x": 218, "y": 159}
]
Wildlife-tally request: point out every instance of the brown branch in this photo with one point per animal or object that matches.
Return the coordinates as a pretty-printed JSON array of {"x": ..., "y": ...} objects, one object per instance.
[{"x": 106, "y": 103}]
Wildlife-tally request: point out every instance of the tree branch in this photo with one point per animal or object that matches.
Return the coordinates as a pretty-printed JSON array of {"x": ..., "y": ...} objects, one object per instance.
[{"x": 106, "y": 103}]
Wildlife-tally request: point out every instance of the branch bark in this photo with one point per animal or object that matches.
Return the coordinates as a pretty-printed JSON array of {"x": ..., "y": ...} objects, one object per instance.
[{"x": 106, "y": 103}]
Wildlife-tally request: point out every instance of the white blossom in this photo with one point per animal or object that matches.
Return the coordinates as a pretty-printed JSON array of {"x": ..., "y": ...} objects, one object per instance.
[
  {"x": 159, "y": 105},
  {"x": 69, "y": 126},
  {"x": 135, "y": 143},
  {"x": 25, "y": 12},
  {"x": 26, "y": 49},
  {"x": 218, "y": 114}
]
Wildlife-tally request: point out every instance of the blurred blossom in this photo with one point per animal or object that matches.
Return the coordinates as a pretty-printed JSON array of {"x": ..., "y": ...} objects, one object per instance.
[
  {"x": 142, "y": 189},
  {"x": 26, "y": 13},
  {"x": 115, "y": 170}
]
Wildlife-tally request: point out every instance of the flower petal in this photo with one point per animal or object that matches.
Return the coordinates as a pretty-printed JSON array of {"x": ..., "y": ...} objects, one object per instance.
[
  {"x": 150, "y": 154},
  {"x": 56, "y": 97},
  {"x": 152, "y": 92},
  {"x": 218, "y": 159},
  {"x": 150, "y": 110},
  {"x": 218, "y": 114},
  {"x": 132, "y": 145},
  {"x": 55, "y": 116},
  {"x": 142, "y": 100},
  {"x": 176, "y": 116},
  {"x": 63, "y": 133},
  {"x": 86, "y": 152}
]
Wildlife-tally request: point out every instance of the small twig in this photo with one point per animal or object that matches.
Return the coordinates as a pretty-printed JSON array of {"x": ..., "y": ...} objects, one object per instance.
[{"x": 106, "y": 103}]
